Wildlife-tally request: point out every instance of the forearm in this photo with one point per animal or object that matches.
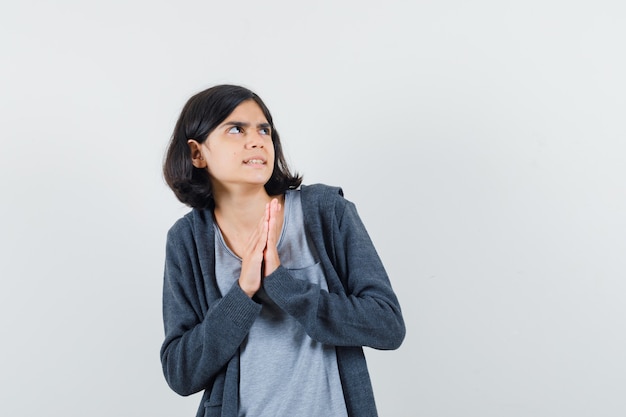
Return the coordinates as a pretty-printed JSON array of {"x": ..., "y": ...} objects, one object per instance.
[
  {"x": 368, "y": 318},
  {"x": 195, "y": 351}
]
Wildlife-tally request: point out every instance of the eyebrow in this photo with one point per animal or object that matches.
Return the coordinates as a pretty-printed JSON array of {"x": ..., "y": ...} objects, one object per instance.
[{"x": 243, "y": 124}]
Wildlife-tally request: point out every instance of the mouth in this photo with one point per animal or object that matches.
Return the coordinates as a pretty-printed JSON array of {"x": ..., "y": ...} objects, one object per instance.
[{"x": 254, "y": 161}]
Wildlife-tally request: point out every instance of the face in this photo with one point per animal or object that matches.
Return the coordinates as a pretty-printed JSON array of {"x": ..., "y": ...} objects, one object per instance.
[{"x": 239, "y": 151}]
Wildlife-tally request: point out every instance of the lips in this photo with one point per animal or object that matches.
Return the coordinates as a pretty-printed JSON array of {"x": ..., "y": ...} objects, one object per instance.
[{"x": 256, "y": 160}]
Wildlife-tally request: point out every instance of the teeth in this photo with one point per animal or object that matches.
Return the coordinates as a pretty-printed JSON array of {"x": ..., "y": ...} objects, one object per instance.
[{"x": 255, "y": 161}]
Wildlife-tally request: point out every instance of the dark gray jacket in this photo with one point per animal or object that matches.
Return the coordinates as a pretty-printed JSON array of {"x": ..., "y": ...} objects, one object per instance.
[{"x": 203, "y": 329}]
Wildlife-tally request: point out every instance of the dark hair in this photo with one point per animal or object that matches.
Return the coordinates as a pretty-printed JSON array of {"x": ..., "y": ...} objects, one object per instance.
[{"x": 202, "y": 113}]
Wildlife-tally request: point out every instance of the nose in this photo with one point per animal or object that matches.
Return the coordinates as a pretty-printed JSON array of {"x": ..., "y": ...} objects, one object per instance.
[{"x": 254, "y": 140}]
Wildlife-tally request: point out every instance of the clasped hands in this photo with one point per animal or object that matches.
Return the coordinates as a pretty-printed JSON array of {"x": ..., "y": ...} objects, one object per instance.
[{"x": 261, "y": 255}]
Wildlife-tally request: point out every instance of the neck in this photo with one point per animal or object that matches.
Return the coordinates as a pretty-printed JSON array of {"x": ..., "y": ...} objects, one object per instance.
[{"x": 242, "y": 209}]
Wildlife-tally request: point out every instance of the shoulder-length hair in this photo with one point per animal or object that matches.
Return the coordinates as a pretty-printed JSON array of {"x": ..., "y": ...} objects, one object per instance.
[{"x": 202, "y": 113}]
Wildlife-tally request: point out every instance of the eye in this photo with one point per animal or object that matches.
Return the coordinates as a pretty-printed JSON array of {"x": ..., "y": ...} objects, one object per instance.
[
  {"x": 265, "y": 131},
  {"x": 235, "y": 129}
]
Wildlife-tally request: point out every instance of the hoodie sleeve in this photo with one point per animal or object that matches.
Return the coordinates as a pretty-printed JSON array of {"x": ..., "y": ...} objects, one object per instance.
[{"x": 363, "y": 310}]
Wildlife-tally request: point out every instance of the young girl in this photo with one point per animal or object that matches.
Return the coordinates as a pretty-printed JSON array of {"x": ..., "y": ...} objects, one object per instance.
[{"x": 271, "y": 288}]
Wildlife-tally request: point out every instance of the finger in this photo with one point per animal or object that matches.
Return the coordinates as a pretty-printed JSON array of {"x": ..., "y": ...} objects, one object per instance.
[
  {"x": 259, "y": 234},
  {"x": 270, "y": 255},
  {"x": 274, "y": 224},
  {"x": 252, "y": 259}
]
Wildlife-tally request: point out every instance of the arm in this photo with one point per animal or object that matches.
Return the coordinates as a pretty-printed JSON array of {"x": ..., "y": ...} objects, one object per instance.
[
  {"x": 200, "y": 335},
  {"x": 364, "y": 311}
]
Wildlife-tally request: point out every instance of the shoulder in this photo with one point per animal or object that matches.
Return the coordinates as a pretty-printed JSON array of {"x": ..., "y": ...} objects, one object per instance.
[
  {"x": 321, "y": 189},
  {"x": 323, "y": 200},
  {"x": 321, "y": 194},
  {"x": 186, "y": 226}
]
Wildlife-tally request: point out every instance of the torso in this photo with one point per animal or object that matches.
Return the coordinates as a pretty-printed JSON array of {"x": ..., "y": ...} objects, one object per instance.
[{"x": 278, "y": 356}]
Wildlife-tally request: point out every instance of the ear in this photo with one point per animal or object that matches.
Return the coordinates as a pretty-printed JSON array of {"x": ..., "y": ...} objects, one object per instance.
[{"x": 196, "y": 154}]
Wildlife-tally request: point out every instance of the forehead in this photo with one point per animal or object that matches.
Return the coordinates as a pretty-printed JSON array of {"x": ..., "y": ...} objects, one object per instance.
[{"x": 249, "y": 111}]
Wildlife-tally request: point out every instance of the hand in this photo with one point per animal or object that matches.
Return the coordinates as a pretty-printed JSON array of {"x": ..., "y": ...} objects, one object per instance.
[
  {"x": 270, "y": 254},
  {"x": 252, "y": 258}
]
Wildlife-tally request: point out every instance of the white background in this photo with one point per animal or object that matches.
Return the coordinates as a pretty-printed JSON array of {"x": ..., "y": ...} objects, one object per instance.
[{"x": 482, "y": 141}]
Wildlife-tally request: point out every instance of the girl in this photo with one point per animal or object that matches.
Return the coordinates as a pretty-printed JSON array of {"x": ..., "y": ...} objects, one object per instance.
[{"x": 271, "y": 288}]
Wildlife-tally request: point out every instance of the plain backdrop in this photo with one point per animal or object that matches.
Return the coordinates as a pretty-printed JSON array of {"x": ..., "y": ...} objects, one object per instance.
[{"x": 482, "y": 141}]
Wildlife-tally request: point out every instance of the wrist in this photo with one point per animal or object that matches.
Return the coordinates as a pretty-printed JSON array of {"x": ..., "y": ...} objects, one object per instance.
[{"x": 247, "y": 289}]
